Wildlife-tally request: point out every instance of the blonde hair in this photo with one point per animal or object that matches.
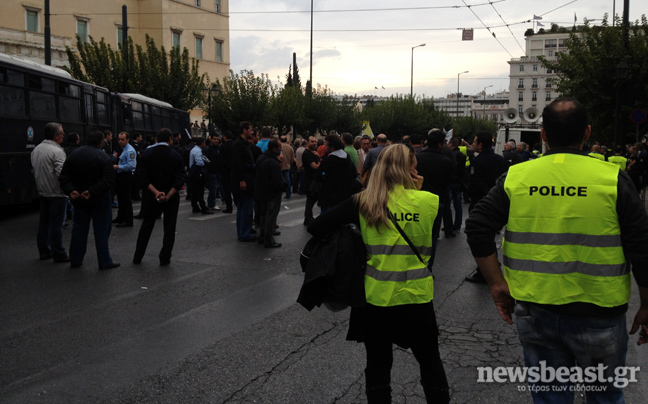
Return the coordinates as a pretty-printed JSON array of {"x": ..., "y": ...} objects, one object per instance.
[{"x": 392, "y": 168}]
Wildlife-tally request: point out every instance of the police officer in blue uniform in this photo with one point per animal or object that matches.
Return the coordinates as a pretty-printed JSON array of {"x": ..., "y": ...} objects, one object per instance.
[{"x": 125, "y": 170}]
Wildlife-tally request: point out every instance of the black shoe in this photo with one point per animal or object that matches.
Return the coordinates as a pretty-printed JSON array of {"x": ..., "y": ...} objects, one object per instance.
[
  {"x": 125, "y": 224},
  {"x": 196, "y": 210},
  {"x": 140, "y": 216},
  {"x": 206, "y": 212},
  {"x": 276, "y": 233},
  {"x": 450, "y": 235},
  {"x": 307, "y": 222},
  {"x": 117, "y": 220},
  {"x": 260, "y": 239},
  {"x": 273, "y": 245},
  {"x": 164, "y": 263},
  {"x": 476, "y": 277},
  {"x": 111, "y": 266},
  {"x": 249, "y": 240},
  {"x": 74, "y": 266},
  {"x": 45, "y": 257},
  {"x": 62, "y": 259},
  {"x": 227, "y": 210},
  {"x": 252, "y": 231}
]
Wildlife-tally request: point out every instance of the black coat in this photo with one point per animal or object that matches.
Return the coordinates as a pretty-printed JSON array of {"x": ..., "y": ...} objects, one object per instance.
[
  {"x": 269, "y": 181},
  {"x": 437, "y": 169},
  {"x": 87, "y": 169},
  {"x": 163, "y": 167}
]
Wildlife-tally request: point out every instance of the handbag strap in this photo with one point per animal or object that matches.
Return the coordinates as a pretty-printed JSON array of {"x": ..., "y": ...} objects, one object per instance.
[{"x": 402, "y": 233}]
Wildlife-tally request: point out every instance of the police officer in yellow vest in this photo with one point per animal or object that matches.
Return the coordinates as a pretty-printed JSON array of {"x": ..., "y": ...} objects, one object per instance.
[
  {"x": 618, "y": 159},
  {"x": 574, "y": 225},
  {"x": 398, "y": 285}
]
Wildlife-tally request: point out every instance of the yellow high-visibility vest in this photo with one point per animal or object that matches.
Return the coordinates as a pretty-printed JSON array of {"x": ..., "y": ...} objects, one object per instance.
[
  {"x": 563, "y": 240},
  {"x": 394, "y": 275}
]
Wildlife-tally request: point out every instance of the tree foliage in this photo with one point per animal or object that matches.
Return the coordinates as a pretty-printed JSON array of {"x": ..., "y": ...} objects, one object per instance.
[
  {"x": 588, "y": 73},
  {"x": 172, "y": 77}
]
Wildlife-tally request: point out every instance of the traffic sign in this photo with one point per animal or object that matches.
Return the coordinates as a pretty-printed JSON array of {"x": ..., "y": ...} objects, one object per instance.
[
  {"x": 467, "y": 34},
  {"x": 638, "y": 116}
]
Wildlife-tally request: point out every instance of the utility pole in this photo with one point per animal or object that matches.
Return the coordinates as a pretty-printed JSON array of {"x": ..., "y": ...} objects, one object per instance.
[
  {"x": 48, "y": 35},
  {"x": 125, "y": 35}
]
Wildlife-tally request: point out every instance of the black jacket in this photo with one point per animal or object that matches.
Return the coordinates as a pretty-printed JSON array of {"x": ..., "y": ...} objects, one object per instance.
[
  {"x": 486, "y": 168},
  {"x": 87, "y": 169},
  {"x": 338, "y": 178},
  {"x": 163, "y": 167},
  {"x": 269, "y": 181},
  {"x": 437, "y": 169}
]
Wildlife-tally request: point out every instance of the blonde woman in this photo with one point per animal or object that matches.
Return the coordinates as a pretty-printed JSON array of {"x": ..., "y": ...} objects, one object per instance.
[{"x": 398, "y": 286}]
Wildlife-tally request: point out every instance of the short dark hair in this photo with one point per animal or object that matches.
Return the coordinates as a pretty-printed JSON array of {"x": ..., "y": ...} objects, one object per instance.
[
  {"x": 95, "y": 138},
  {"x": 124, "y": 133},
  {"x": 52, "y": 129},
  {"x": 416, "y": 138},
  {"x": 72, "y": 138},
  {"x": 266, "y": 132},
  {"x": 274, "y": 145},
  {"x": 564, "y": 122},
  {"x": 435, "y": 138},
  {"x": 347, "y": 138},
  {"x": 227, "y": 134},
  {"x": 485, "y": 138},
  {"x": 199, "y": 141},
  {"x": 244, "y": 125},
  {"x": 335, "y": 142},
  {"x": 164, "y": 135},
  {"x": 454, "y": 142}
]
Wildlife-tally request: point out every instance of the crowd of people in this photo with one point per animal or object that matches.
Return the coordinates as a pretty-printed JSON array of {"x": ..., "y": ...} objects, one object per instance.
[{"x": 391, "y": 189}]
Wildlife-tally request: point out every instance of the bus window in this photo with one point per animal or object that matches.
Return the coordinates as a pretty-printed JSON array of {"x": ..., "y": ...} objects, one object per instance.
[
  {"x": 42, "y": 105},
  {"x": 138, "y": 121},
  {"x": 41, "y": 83},
  {"x": 11, "y": 77},
  {"x": 102, "y": 114},
  {"x": 70, "y": 109},
  {"x": 89, "y": 109},
  {"x": 69, "y": 89},
  {"x": 12, "y": 101},
  {"x": 101, "y": 97}
]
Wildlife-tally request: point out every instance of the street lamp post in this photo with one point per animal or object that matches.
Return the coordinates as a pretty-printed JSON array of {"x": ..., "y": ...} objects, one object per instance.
[
  {"x": 621, "y": 74},
  {"x": 459, "y": 74},
  {"x": 412, "y": 75},
  {"x": 484, "y": 105},
  {"x": 209, "y": 93}
]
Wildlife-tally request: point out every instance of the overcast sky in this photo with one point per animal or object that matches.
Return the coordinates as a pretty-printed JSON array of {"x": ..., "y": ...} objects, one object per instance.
[{"x": 359, "y": 45}]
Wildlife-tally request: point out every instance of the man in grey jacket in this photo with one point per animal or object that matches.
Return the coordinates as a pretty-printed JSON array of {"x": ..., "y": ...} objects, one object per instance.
[{"x": 47, "y": 161}]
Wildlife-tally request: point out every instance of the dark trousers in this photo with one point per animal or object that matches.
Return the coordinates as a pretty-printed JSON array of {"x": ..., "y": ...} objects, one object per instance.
[
  {"x": 49, "y": 238},
  {"x": 311, "y": 199},
  {"x": 227, "y": 187},
  {"x": 197, "y": 188},
  {"x": 269, "y": 211},
  {"x": 101, "y": 215},
  {"x": 378, "y": 371},
  {"x": 152, "y": 210},
  {"x": 124, "y": 184}
]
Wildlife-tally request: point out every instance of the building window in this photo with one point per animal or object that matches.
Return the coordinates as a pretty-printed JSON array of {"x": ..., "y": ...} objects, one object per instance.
[
  {"x": 520, "y": 83},
  {"x": 120, "y": 36},
  {"x": 550, "y": 54},
  {"x": 550, "y": 43},
  {"x": 548, "y": 83},
  {"x": 521, "y": 97},
  {"x": 218, "y": 6},
  {"x": 82, "y": 29},
  {"x": 175, "y": 39},
  {"x": 534, "y": 96},
  {"x": 520, "y": 112},
  {"x": 549, "y": 71},
  {"x": 548, "y": 98},
  {"x": 31, "y": 20},
  {"x": 199, "y": 47},
  {"x": 521, "y": 68},
  {"x": 219, "y": 51},
  {"x": 535, "y": 68},
  {"x": 535, "y": 83},
  {"x": 197, "y": 3}
]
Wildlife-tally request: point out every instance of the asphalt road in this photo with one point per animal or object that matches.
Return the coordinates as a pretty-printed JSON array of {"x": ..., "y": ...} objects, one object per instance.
[{"x": 220, "y": 324}]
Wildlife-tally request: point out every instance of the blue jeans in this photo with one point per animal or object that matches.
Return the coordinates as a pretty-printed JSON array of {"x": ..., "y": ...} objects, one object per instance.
[
  {"x": 212, "y": 183},
  {"x": 244, "y": 217},
  {"x": 568, "y": 341},
  {"x": 101, "y": 216},
  {"x": 286, "y": 176},
  {"x": 455, "y": 199},
  {"x": 49, "y": 238}
]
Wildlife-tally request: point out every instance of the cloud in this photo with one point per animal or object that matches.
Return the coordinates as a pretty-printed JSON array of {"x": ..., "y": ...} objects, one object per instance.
[{"x": 326, "y": 53}]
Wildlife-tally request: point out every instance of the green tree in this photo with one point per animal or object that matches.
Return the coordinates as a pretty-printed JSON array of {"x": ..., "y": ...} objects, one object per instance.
[
  {"x": 172, "y": 77},
  {"x": 467, "y": 126},
  {"x": 588, "y": 73},
  {"x": 243, "y": 97}
]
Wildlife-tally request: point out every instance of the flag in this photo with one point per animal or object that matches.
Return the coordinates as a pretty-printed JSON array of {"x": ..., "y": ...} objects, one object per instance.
[
  {"x": 540, "y": 24},
  {"x": 536, "y": 17},
  {"x": 376, "y": 88},
  {"x": 574, "y": 18},
  {"x": 383, "y": 87}
]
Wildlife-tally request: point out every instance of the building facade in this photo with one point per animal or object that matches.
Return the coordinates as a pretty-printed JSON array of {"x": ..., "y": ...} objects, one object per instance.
[
  {"x": 532, "y": 85},
  {"x": 201, "y": 26}
]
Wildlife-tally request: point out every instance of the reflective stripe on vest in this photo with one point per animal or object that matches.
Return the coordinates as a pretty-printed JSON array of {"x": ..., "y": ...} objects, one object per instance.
[
  {"x": 597, "y": 156},
  {"x": 394, "y": 274},
  {"x": 563, "y": 240},
  {"x": 464, "y": 150}
]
